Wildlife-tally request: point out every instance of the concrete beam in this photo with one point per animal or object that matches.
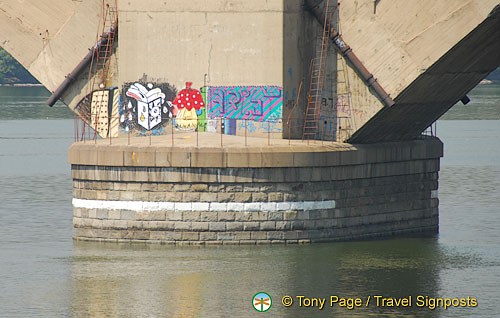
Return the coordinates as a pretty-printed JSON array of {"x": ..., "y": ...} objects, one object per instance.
[{"x": 435, "y": 91}]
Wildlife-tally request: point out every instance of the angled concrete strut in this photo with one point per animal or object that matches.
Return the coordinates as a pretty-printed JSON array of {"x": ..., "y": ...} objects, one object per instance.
[
  {"x": 346, "y": 51},
  {"x": 440, "y": 87},
  {"x": 71, "y": 77}
]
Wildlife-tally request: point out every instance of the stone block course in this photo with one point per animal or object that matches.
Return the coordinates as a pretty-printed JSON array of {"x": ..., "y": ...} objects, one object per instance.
[
  {"x": 259, "y": 216},
  {"x": 134, "y": 225},
  {"x": 173, "y": 236},
  {"x": 208, "y": 236},
  {"x": 242, "y": 197},
  {"x": 173, "y": 215},
  {"x": 275, "y": 197},
  {"x": 225, "y": 216},
  {"x": 257, "y": 235},
  {"x": 290, "y": 215},
  {"x": 158, "y": 235},
  {"x": 199, "y": 187},
  {"x": 173, "y": 197},
  {"x": 375, "y": 190},
  {"x": 217, "y": 226},
  {"x": 165, "y": 187},
  {"x": 234, "y": 226},
  {"x": 283, "y": 226},
  {"x": 209, "y": 217},
  {"x": 297, "y": 225},
  {"x": 208, "y": 197},
  {"x": 200, "y": 226},
  {"x": 251, "y": 226},
  {"x": 243, "y": 216},
  {"x": 191, "y": 197},
  {"x": 182, "y": 226},
  {"x": 225, "y": 197},
  {"x": 128, "y": 215},
  {"x": 275, "y": 216},
  {"x": 275, "y": 235},
  {"x": 259, "y": 197},
  {"x": 228, "y": 236},
  {"x": 268, "y": 226}
]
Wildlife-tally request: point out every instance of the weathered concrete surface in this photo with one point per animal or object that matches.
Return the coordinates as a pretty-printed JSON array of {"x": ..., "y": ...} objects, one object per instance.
[
  {"x": 232, "y": 42},
  {"x": 403, "y": 38},
  {"x": 427, "y": 58},
  {"x": 49, "y": 38},
  {"x": 253, "y": 195}
]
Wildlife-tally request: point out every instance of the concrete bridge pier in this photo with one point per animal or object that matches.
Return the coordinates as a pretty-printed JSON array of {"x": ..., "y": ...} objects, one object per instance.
[
  {"x": 226, "y": 69},
  {"x": 282, "y": 193}
]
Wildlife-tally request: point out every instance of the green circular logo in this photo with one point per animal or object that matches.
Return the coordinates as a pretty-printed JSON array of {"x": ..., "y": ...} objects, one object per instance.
[{"x": 262, "y": 302}]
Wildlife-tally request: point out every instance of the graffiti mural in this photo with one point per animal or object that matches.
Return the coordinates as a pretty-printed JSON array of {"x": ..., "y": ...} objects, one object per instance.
[
  {"x": 100, "y": 111},
  {"x": 96, "y": 110},
  {"x": 146, "y": 106},
  {"x": 203, "y": 122},
  {"x": 258, "y": 103},
  {"x": 149, "y": 104},
  {"x": 255, "y": 126},
  {"x": 149, "y": 107},
  {"x": 190, "y": 103}
]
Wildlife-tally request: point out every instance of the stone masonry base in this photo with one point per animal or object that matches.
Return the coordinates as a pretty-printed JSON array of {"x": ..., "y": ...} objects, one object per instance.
[{"x": 363, "y": 192}]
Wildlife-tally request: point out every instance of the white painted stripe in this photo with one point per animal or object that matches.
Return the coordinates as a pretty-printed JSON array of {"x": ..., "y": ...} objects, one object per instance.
[{"x": 204, "y": 206}]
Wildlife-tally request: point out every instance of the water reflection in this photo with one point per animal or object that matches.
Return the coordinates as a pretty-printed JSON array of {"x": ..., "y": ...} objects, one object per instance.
[{"x": 131, "y": 280}]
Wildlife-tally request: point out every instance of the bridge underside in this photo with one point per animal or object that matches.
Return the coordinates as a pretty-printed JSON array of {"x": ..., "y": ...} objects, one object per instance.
[
  {"x": 425, "y": 56},
  {"x": 439, "y": 88}
]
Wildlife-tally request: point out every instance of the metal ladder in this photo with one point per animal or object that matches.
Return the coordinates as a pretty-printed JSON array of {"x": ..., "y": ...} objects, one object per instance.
[
  {"x": 99, "y": 67},
  {"x": 317, "y": 72}
]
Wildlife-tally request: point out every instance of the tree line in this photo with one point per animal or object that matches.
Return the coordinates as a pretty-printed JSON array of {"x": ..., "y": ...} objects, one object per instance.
[{"x": 11, "y": 72}]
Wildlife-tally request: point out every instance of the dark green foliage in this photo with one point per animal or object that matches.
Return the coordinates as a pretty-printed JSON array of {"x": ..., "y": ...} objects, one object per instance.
[{"x": 11, "y": 72}]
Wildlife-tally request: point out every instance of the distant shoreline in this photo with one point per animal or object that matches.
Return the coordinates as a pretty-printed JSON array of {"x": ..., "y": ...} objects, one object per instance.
[{"x": 21, "y": 85}]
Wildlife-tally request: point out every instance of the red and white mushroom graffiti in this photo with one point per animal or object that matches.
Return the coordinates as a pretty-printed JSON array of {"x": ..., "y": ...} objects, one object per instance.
[{"x": 190, "y": 103}]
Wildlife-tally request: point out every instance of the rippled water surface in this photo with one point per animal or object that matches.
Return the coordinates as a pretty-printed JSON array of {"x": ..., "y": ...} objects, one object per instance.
[{"x": 43, "y": 273}]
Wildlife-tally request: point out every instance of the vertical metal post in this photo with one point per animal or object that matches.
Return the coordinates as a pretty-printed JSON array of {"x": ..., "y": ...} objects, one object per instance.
[
  {"x": 334, "y": 129},
  {"x": 221, "y": 132},
  {"x": 150, "y": 132},
  {"x": 289, "y": 133},
  {"x": 323, "y": 137},
  {"x": 246, "y": 123},
  {"x": 197, "y": 133},
  {"x": 268, "y": 133},
  {"x": 172, "y": 132},
  {"x": 128, "y": 138}
]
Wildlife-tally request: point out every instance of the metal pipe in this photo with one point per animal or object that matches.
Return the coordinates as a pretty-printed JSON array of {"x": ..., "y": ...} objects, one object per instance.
[
  {"x": 346, "y": 51},
  {"x": 71, "y": 77}
]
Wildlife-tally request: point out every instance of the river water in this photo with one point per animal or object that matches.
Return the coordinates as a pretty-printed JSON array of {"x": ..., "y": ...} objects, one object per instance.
[{"x": 43, "y": 273}]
